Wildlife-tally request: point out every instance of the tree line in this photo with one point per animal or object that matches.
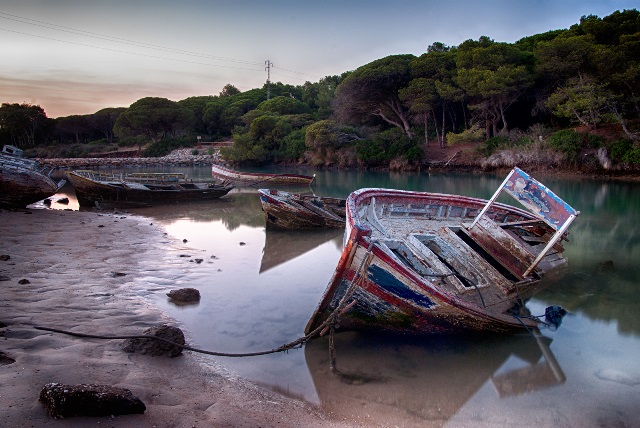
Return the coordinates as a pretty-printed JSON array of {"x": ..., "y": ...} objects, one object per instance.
[{"x": 492, "y": 94}]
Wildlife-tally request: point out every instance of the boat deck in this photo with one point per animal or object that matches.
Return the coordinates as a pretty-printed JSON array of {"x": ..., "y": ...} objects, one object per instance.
[{"x": 487, "y": 260}]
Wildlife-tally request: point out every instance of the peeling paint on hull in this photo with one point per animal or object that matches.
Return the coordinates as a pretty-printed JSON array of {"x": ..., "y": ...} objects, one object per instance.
[{"x": 411, "y": 265}]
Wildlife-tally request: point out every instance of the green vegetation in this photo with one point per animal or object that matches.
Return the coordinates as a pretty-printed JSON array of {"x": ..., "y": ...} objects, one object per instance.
[{"x": 547, "y": 96}]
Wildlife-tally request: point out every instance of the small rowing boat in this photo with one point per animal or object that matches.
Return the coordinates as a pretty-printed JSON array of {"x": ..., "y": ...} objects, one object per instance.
[
  {"x": 416, "y": 262},
  {"x": 23, "y": 181},
  {"x": 95, "y": 188},
  {"x": 294, "y": 211},
  {"x": 257, "y": 178}
]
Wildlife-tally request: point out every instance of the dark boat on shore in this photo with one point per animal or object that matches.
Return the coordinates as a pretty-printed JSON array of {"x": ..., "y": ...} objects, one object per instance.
[
  {"x": 23, "y": 181},
  {"x": 105, "y": 190},
  {"x": 255, "y": 178},
  {"x": 417, "y": 263},
  {"x": 293, "y": 211}
]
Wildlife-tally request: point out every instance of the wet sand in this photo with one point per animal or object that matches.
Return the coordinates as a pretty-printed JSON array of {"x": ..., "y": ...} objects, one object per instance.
[{"x": 90, "y": 272}]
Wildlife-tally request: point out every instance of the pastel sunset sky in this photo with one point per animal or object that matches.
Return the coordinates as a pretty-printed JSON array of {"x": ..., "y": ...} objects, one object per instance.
[{"x": 79, "y": 56}]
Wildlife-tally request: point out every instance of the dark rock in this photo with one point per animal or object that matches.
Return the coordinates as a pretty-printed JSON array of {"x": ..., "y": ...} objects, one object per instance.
[
  {"x": 184, "y": 240},
  {"x": 117, "y": 274},
  {"x": 184, "y": 295},
  {"x": 101, "y": 225},
  {"x": 184, "y": 255},
  {"x": 157, "y": 347},
  {"x": 199, "y": 261},
  {"x": 5, "y": 359},
  {"x": 242, "y": 243},
  {"x": 63, "y": 401},
  {"x": 47, "y": 202},
  {"x": 4, "y": 257},
  {"x": 24, "y": 281},
  {"x": 63, "y": 201},
  {"x": 4, "y": 278}
]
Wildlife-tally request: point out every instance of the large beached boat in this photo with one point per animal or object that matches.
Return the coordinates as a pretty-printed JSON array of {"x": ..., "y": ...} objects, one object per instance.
[
  {"x": 417, "y": 262},
  {"x": 23, "y": 181},
  {"x": 95, "y": 188},
  {"x": 256, "y": 178}
]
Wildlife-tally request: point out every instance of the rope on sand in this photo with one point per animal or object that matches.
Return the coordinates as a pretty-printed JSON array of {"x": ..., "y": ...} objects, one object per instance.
[{"x": 329, "y": 324}]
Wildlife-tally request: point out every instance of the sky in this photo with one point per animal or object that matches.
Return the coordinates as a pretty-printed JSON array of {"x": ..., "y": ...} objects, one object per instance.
[{"x": 79, "y": 56}]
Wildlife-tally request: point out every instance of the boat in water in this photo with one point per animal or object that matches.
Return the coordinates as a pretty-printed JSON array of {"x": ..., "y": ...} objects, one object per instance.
[
  {"x": 106, "y": 190},
  {"x": 418, "y": 263},
  {"x": 24, "y": 181},
  {"x": 294, "y": 211},
  {"x": 257, "y": 178}
]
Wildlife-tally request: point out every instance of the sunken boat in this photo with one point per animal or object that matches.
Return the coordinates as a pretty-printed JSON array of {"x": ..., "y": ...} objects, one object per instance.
[
  {"x": 240, "y": 178},
  {"x": 418, "y": 263},
  {"x": 100, "y": 189},
  {"x": 295, "y": 211},
  {"x": 24, "y": 181}
]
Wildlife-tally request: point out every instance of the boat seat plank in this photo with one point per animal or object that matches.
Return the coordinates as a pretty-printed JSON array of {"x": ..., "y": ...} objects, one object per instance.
[
  {"x": 469, "y": 263},
  {"x": 506, "y": 249}
]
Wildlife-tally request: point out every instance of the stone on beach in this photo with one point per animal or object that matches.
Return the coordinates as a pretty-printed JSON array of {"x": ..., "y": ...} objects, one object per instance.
[
  {"x": 184, "y": 295},
  {"x": 160, "y": 348},
  {"x": 63, "y": 401}
]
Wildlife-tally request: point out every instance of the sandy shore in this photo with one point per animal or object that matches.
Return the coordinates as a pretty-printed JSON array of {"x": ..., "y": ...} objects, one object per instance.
[{"x": 70, "y": 260}]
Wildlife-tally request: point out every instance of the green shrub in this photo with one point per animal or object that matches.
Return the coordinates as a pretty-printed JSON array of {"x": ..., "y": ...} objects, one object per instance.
[
  {"x": 371, "y": 152},
  {"x": 471, "y": 135},
  {"x": 566, "y": 141},
  {"x": 164, "y": 147},
  {"x": 632, "y": 156},
  {"x": 293, "y": 146},
  {"x": 618, "y": 149}
]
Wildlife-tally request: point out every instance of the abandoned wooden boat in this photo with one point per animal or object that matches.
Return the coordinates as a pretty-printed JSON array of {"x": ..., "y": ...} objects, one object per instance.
[
  {"x": 294, "y": 211},
  {"x": 417, "y": 262},
  {"x": 256, "y": 178},
  {"x": 24, "y": 181},
  {"x": 94, "y": 188}
]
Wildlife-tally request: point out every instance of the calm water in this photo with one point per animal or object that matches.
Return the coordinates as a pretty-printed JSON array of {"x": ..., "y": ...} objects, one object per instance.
[{"x": 259, "y": 288}]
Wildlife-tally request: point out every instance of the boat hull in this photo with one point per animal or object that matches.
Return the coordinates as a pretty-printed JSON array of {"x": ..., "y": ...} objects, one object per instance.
[
  {"x": 288, "y": 211},
  {"x": 374, "y": 288},
  {"x": 91, "y": 192},
  {"x": 254, "y": 179},
  {"x": 21, "y": 186}
]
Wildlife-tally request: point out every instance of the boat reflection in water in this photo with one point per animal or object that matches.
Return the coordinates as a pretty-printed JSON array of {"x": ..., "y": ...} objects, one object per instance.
[
  {"x": 392, "y": 380},
  {"x": 280, "y": 246}
]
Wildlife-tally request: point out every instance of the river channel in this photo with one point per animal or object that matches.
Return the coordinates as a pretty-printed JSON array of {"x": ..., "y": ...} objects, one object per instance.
[{"x": 260, "y": 287}]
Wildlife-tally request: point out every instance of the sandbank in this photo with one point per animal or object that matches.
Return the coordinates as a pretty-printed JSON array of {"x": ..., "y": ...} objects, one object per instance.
[{"x": 90, "y": 272}]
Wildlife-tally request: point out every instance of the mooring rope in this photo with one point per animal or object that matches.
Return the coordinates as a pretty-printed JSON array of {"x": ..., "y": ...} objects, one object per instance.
[{"x": 329, "y": 323}]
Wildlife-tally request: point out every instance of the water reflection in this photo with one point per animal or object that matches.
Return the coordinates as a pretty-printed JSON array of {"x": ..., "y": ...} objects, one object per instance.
[
  {"x": 422, "y": 381},
  {"x": 281, "y": 246},
  {"x": 259, "y": 295}
]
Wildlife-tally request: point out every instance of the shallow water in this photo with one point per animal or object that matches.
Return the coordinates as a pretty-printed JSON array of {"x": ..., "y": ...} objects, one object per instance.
[{"x": 259, "y": 288}]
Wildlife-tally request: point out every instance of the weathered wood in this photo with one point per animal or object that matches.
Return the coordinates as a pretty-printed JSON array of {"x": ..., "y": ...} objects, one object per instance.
[
  {"x": 94, "y": 188},
  {"x": 414, "y": 266},
  {"x": 291, "y": 211},
  {"x": 24, "y": 181}
]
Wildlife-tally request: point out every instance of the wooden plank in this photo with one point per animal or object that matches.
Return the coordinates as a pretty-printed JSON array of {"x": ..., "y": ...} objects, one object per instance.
[{"x": 507, "y": 250}]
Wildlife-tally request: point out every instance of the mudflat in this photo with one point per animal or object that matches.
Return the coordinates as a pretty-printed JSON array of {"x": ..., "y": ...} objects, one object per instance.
[{"x": 93, "y": 273}]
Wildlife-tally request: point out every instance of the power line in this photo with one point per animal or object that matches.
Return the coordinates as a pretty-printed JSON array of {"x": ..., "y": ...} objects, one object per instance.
[
  {"x": 127, "y": 52},
  {"x": 99, "y": 36},
  {"x": 70, "y": 30}
]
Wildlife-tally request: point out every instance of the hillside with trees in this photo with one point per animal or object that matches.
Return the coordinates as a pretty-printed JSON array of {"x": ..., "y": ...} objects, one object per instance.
[{"x": 565, "y": 98}]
